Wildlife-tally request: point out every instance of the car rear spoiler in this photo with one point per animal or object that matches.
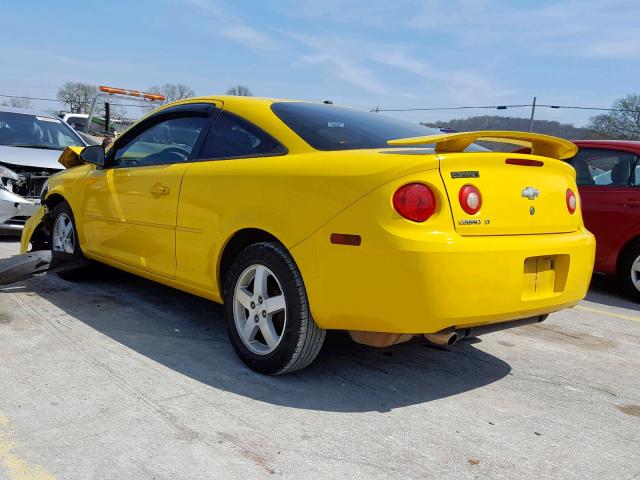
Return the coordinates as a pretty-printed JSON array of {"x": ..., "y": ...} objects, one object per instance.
[{"x": 544, "y": 145}]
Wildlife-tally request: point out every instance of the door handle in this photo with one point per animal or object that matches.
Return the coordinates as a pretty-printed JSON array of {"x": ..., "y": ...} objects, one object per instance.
[
  {"x": 630, "y": 203},
  {"x": 159, "y": 190}
]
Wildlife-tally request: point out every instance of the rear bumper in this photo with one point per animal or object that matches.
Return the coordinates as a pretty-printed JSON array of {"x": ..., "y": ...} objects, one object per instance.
[{"x": 443, "y": 280}]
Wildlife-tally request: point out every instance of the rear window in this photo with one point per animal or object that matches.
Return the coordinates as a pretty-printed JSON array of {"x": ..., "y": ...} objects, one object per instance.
[
  {"x": 327, "y": 127},
  {"x": 233, "y": 137}
]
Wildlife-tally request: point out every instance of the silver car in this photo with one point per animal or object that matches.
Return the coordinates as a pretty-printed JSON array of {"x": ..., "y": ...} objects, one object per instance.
[{"x": 30, "y": 145}]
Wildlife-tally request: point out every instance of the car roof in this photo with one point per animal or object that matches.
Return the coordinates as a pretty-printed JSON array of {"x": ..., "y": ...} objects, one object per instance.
[
  {"x": 231, "y": 100},
  {"x": 24, "y": 111},
  {"x": 240, "y": 99}
]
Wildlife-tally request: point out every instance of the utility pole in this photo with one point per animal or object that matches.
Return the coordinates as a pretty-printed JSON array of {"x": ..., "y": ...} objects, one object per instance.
[
  {"x": 533, "y": 111},
  {"x": 107, "y": 117}
]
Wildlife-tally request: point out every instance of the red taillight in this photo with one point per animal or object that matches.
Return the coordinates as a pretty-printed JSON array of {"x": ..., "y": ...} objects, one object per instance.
[
  {"x": 470, "y": 199},
  {"x": 414, "y": 201},
  {"x": 572, "y": 201}
]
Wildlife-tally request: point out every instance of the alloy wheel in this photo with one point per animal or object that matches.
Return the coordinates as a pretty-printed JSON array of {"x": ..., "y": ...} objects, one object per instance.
[
  {"x": 259, "y": 309},
  {"x": 64, "y": 238},
  {"x": 635, "y": 273}
]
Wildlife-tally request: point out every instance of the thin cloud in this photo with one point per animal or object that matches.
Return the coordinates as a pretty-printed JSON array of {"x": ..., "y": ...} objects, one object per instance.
[
  {"x": 396, "y": 57},
  {"x": 585, "y": 28},
  {"x": 233, "y": 29},
  {"x": 249, "y": 37},
  {"x": 462, "y": 86},
  {"x": 348, "y": 71},
  {"x": 626, "y": 46},
  {"x": 372, "y": 13},
  {"x": 338, "y": 62}
]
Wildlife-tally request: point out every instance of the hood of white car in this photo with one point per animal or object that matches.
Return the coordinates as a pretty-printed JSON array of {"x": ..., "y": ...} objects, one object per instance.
[{"x": 30, "y": 157}]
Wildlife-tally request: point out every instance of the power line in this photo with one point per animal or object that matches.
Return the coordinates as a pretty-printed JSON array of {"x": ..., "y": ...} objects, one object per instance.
[
  {"x": 62, "y": 101},
  {"x": 502, "y": 107},
  {"x": 30, "y": 98},
  {"x": 498, "y": 107},
  {"x": 590, "y": 108},
  {"x": 425, "y": 109}
]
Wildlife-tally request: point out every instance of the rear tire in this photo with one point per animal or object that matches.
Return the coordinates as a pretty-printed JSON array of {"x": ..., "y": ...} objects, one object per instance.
[
  {"x": 629, "y": 271},
  {"x": 268, "y": 319},
  {"x": 66, "y": 254}
]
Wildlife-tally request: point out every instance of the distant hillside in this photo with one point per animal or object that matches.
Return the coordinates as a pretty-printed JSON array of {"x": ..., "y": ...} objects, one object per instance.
[{"x": 493, "y": 122}]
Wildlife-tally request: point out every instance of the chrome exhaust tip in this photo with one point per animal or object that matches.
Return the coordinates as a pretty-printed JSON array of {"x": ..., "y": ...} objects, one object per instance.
[{"x": 445, "y": 339}]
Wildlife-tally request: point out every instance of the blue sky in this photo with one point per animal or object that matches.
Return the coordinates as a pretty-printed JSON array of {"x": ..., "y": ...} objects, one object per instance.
[{"x": 364, "y": 53}]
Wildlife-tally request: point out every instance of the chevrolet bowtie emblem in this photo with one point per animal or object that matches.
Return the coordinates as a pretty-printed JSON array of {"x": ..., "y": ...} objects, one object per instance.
[{"x": 531, "y": 193}]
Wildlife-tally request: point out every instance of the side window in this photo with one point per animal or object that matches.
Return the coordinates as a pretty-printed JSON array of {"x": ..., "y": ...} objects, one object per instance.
[
  {"x": 170, "y": 141},
  {"x": 605, "y": 167},
  {"x": 232, "y": 136},
  {"x": 635, "y": 173}
]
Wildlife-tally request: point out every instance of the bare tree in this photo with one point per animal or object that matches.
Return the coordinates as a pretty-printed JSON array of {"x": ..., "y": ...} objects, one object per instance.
[
  {"x": 173, "y": 91},
  {"x": 17, "y": 102},
  {"x": 240, "y": 91},
  {"x": 78, "y": 96},
  {"x": 623, "y": 122}
]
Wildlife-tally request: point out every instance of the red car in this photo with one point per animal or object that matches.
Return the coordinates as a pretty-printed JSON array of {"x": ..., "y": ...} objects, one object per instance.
[{"x": 608, "y": 178}]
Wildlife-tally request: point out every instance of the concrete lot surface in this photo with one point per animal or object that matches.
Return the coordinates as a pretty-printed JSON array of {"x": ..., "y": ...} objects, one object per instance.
[{"x": 120, "y": 378}]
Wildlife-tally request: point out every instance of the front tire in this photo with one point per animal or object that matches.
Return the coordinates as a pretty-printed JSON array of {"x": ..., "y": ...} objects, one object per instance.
[
  {"x": 66, "y": 255},
  {"x": 267, "y": 311},
  {"x": 629, "y": 271}
]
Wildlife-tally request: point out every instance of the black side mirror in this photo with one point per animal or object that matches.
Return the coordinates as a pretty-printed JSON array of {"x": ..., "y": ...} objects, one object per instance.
[{"x": 93, "y": 154}]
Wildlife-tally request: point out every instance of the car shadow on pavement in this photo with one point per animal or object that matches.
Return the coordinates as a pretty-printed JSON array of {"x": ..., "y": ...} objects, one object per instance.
[
  {"x": 606, "y": 290},
  {"x": 188, "y": 335}
]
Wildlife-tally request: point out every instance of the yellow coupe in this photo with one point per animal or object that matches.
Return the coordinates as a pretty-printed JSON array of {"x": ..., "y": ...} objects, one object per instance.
[{"x": 304, "y": 217}]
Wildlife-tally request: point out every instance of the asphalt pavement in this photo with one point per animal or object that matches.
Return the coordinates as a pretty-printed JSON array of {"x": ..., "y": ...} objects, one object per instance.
[{"x": 116, "y": 377}]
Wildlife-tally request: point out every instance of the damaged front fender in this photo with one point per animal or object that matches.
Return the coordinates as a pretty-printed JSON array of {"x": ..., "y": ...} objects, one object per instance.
[{"x": 32, "y": 228}]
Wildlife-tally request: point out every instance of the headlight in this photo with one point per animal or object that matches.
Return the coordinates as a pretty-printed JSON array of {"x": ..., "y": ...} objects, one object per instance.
[
  {"x": 7, "y": 177},
  {"x": 6, "y": 173}
]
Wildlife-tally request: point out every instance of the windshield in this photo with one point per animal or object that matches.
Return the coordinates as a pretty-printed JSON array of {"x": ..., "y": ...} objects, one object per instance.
[
  {"x": 25, "y": 130},
  {"x": 327, "y": 127}
]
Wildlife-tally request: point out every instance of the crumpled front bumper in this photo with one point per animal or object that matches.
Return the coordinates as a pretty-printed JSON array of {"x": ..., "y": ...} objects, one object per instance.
[
  {"x": 30, "y": 227},
  {"x": 13, "y": 205}
]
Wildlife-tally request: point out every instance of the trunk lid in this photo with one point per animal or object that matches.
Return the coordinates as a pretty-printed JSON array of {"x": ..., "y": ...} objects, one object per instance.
[
  {"x": 517, "y": 199},
  {"x": 521, "y": 194}
]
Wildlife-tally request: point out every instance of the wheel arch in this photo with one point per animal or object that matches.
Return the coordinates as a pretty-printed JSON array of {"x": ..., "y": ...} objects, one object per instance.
[
  {"x": 633, "y": 242},
  {"x": 235, "y": 244},
  {"x": 54, "y": 199},
  {"x": 39, "y": 235}
]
